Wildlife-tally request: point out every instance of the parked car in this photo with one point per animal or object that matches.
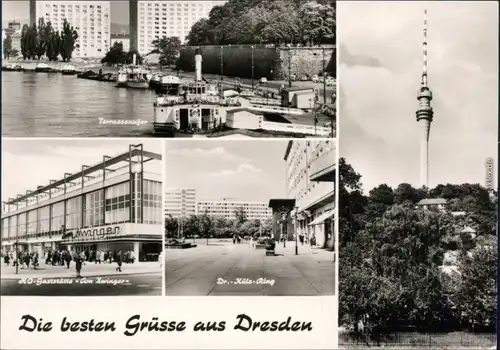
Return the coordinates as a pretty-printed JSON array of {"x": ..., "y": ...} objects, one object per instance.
[
  {"x": 293, "y": 77},
  {"x": 263, "y": 80},
  {"x": 330, "y": 82},
  {"x": 304, "y": 78},
  {"x": 316, "y": 79}
]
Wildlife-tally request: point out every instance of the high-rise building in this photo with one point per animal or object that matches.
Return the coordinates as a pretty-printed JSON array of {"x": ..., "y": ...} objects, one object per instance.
[
  {"x": 226, "y": 208},
  {"x": 180, "y": 202},
  {"x": 424, "y": 114},
  {"x": 310, "y": 181},
  {"x": 91, "y": 19},
  {"x": 153, "y": 19}
]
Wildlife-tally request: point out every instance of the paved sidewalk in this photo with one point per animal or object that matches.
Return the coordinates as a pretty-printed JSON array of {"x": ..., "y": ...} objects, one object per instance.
[
  {"x": 88, "y": 270},
  {"x": 227, "y": 269}
]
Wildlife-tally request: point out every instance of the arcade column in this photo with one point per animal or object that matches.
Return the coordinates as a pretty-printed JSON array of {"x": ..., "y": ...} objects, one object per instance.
[{"x": 137, "y": 247}]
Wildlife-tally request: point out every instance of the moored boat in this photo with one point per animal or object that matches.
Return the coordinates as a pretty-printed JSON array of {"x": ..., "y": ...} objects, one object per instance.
[
  {"x": 68, "y": 69},
  {"x": 43, "y": 68},
  {"x": 138, "y": 77}
]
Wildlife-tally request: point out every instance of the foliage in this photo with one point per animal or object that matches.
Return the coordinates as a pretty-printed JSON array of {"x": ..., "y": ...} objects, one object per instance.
[
  {"x": 42, "y": 39},
  {"x": 117, "y": 56},
  {"x": 168, "y": 49},
  {"x": 206, "y": 226},
  {"x": 7, "y": 47},
  {"x": 266, "y": 21},
  {"x": 393, "y": 254},
  {"x": 476, "y": 294}
]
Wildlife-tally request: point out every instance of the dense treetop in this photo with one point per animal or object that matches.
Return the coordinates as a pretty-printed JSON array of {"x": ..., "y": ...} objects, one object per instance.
[
  {"x": 267, "y": 22},
  {"x": 393, "y": 260}
]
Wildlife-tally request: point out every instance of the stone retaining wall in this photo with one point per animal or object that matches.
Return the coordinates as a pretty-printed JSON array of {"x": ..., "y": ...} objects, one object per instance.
[{"x": 269, "y": 62}]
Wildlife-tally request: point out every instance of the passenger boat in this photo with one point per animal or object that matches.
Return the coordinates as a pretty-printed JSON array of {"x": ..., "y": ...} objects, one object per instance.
[
  {"x": 122, "y": 77},
  {"x": 68, "y": 69},
  {"x": 138, "y": 77},
  {"x": 43, "y": 68}
]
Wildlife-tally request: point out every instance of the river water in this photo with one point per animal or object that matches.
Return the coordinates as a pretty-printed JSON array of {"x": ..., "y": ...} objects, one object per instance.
[{"x": 56, "y": 105}]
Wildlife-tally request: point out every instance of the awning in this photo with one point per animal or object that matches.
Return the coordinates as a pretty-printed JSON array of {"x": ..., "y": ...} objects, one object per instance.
[{"x": 320, "y": 219}]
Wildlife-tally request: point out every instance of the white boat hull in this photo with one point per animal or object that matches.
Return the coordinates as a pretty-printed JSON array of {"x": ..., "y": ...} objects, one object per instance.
[{"x": 137, "y": 84}]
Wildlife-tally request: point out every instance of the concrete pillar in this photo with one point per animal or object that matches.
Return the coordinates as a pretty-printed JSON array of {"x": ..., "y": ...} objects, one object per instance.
[{"x": 137, "y": 246}]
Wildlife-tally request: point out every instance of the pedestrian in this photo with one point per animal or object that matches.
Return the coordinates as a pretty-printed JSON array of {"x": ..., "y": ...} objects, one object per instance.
[
  {"x": 118, "y": 260},
  {"x": 301, "y": 238},
  {"x": 78, "y": 265},
  {"x": 160, "y": 259},
  {"x": 6, "y": 259},
  {"x": 84, "y": 257},
  {"x": 67, "y": 258},
  {"x": 35, "y": 260},
  {"x": 251, "y": 242},
  {"x": 132, "y": 256}
]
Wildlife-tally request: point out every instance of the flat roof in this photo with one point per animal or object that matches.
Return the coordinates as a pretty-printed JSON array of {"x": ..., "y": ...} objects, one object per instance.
[{"x": 124, "y": 157}]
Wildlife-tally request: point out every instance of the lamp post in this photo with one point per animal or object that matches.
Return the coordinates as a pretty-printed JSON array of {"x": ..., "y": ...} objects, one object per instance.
[
  {"x": 289, "y": 66},
  {"x": 252, "y": 68},
  {"x": 296, "y": 232},
  {"x": 282, "y": 229},
  {"x": 324, "y": 77},
  {"x": 222, "y": 71},
  {"x": 17, "y": 254}
]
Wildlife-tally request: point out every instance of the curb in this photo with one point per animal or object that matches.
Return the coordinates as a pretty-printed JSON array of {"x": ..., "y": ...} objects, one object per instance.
[{"x": 85, "y": 276}]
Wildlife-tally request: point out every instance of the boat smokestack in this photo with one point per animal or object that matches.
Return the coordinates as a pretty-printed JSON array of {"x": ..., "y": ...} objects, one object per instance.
[
  {"x": 197, "y": 61},
  {"x": 134, "y": 57}
]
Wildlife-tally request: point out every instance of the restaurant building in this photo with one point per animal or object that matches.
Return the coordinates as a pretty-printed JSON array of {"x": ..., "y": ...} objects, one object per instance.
[{"x": 115, "y": 204}]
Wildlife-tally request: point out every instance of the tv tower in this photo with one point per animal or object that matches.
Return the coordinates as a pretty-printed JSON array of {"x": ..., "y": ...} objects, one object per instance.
[{"x": 424, "y": 114}]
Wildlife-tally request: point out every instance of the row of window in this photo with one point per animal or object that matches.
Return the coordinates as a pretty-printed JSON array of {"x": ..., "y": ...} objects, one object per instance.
[{"x": 91, "y": 210}]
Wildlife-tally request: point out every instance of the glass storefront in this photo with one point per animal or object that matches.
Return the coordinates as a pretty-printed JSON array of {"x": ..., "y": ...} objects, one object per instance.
[
  {"x": 44, "y": 221},
  {"x": 94, "y": 209},
  {"x": 117, "y": 204},
  {"x": 13, "y": 226},
  {"x": 74, "y": 213},
  {"x": 57, "y": 220},
  {"x": 153, "y": 202},
  {"x": 21, "y": 221},
  {"x": 32, "y": 223}
]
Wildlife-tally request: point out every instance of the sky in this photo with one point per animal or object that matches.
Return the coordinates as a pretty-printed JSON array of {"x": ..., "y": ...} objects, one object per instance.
[
  {"x": 27, "y": 163},
  {"x": 19, "y": 10},
  {"x": 252, "y": 170},
  {"x": 379, "y": 78}
]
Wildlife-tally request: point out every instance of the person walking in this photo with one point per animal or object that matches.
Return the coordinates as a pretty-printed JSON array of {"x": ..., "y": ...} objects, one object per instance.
[
  {"x": 78, "y": 265},
  {"x": 160, "y": 259},
  {"x": 67, "y": 258},
  {"x": 118, "y": 259}
]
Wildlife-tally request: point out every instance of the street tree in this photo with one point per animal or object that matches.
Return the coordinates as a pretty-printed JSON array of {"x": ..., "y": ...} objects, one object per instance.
[
  {"x": 171, "y": 226},
  {"x": 7, "y": 47},
  {"x": 69, "y": 37},
  {"x": 168, "y": 48},
  {"x": 115, "y": 55},
  {"x": 240, "y": 215},
  {"x": 41, "y": 39}
]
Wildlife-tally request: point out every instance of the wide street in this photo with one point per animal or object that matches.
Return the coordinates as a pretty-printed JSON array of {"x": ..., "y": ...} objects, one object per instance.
[
  {"x": 98, "y": 280},
  {"x": 222, "y": 268}
]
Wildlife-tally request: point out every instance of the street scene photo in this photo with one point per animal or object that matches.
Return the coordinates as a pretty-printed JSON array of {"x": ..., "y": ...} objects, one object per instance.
[
  {"x": 171, "y": 68},
  {"x": 81, "y": 218},
  {"x": 250, "y": 218},
  {"x": 418, "y": 196}
]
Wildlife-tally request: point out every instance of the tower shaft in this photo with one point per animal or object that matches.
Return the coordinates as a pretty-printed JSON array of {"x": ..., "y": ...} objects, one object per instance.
[{"x": 424, "y": 113}]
